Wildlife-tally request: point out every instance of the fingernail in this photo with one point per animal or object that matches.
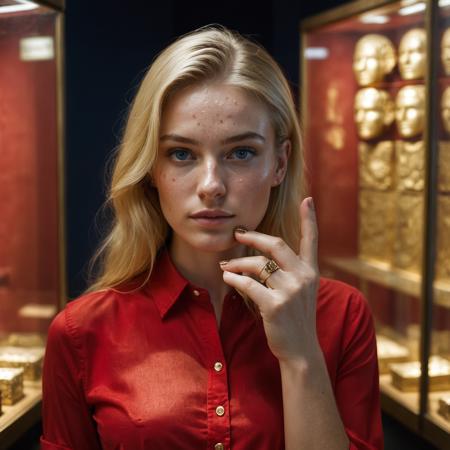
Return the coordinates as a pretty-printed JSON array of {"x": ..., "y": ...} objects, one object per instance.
[
  {"x": 311, "y": 204},
  {"x": 224, "y": 262},
  {"x": 240, "y": 229}
]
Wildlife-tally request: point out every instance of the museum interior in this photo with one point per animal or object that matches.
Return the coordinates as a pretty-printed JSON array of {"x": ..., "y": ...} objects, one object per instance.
[{"x": 371, "y": 79}]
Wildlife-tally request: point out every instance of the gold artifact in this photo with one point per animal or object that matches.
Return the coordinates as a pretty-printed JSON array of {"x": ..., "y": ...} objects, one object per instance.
[
  {"x": 390, "y": 352},
  {"x": 408, "y": 234},
  {"x": 376, "y": 225},
  {"x": 444, "y": 406},
  {"x": 444, "y": 167},
  {"x": 405, "y": 376},
  {"x": 410, "y": 165},
  {"x": 443, "y": 239},
  {"x": 334, "y": 131},
  {"x": 23, "y": 339},
  {"x": 30, "y": 359},
  {"x": 11, "y": 384},
  {"x": 412, "y": 54},
  {"x": 445, "y": 51},
  {"x": 376, "y": 165},
  {"x": 445, "y": 109},
  {"x": 374, "y": 112},
  {"x": 373, "y": 59},
  {"x": 410, "y": 110}
]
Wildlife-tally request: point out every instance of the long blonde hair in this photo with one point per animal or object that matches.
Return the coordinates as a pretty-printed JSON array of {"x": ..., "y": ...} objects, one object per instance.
[{"x": 138, "y": 228}]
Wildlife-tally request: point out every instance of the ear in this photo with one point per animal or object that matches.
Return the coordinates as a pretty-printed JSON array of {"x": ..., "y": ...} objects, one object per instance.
[{"x": 282, "y": 158}]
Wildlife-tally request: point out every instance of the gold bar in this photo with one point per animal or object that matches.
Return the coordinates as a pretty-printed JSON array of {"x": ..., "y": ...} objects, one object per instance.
[
  {"x": 30, "y": 359},
  {"x": 442, "y": 267},
  {"x": 410, "y": 166},
  {"x": 444, "y": 406},
  {"x": 406, "y": 376},
  {"x": 376, "y": 165},
  {"x": 390, "y": 352},
  {"x": 11, "y": 385}
]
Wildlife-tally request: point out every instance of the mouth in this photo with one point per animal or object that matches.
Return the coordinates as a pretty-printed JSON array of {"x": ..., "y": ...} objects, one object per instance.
[{"x": 212, "y": 217}]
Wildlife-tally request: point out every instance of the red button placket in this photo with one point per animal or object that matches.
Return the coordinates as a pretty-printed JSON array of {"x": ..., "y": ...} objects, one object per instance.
[{"x": 218, "y": 405}]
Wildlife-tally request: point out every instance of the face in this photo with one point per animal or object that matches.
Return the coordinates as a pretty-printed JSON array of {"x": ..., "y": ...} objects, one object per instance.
[
  {"x": 411, "y": 56},
  {"x": 369, "y": 113},
  {"x": 366, "y": 63},
  {"x": 445, "y": 109},
  {"x": 445, "y": 51},
  {"x": 217, "y": 163},
  {"x": 409, "y": 111}
]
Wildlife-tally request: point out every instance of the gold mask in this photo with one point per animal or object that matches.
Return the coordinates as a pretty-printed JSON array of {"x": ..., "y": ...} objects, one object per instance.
[
  {"x": 410, "y": 110},
  {"x": 445, "y": 51},
  {"x": 412, "y": 54},
  {"x": 374, "y": 112},
  {"x": 445, "y": 109},
  {"x": 373, "y": 59}
]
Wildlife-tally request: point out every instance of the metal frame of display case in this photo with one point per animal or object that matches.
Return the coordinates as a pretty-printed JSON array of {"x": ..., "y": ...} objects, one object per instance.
[
  {"x": 24, "y": 421},
  {"x": 418, "y": 423}
]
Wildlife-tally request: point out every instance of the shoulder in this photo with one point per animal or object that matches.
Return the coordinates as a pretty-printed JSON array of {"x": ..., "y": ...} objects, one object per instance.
[{"x": 92, "y": 311}]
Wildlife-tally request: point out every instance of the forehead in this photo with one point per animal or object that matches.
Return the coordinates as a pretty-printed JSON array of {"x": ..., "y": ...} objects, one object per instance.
[
  {"x": 214, "y": 105},
  {"x": 368, "y": 100},
  {"x": 409, "y": 97},
  {"x": 413, "y": 41},
  {"x": 367, "y": 48}
]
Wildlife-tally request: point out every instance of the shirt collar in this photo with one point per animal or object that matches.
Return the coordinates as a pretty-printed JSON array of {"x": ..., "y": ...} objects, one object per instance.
[{"x": 166, "y": 284}]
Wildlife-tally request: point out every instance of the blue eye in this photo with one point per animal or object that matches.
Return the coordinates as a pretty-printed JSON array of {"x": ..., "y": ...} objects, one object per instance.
[
  {"x": 242, "y": 153},
  {"x": 180, "y": 154}
]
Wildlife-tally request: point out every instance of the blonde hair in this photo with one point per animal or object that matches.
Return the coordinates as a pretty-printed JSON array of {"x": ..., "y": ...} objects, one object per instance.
[{"x": 138, "y": 229}]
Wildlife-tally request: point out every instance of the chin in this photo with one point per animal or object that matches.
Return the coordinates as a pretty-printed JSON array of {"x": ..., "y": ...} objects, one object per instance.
[{"x": 214, "y": 244}]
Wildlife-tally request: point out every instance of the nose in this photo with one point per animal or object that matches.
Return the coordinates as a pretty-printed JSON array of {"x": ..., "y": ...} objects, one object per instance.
[{"x": 211, "y": 185}]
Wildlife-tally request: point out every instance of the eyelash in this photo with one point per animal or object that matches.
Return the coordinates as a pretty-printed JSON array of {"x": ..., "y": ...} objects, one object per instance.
[{"x": 172, "y": 153}]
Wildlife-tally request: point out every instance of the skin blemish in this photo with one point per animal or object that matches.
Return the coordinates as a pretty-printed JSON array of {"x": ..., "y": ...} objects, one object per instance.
[
  {"x": 194, "y": 116},
  {"x": 221, "y": 121},
  {"x": 198, "y": 124},
  {"x": 173, "y": 180}
]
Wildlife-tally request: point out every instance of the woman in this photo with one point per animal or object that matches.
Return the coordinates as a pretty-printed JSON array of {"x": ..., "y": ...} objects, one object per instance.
[{"x": 201, "y": 331}]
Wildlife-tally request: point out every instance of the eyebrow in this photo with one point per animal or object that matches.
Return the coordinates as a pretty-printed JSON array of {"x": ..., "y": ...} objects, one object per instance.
[{"x": 228, "y": 140}]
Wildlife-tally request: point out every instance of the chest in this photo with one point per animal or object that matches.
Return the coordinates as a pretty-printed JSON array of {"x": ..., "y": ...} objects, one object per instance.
[{"x": 188, "y": 384}]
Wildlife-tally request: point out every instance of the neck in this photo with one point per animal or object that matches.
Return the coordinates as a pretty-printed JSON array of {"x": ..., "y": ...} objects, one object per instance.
[{"x": 202, "y": 268}]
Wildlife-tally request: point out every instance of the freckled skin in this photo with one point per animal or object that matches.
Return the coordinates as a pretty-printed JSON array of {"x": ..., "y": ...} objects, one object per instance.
[{"x": 213, "y": 177}]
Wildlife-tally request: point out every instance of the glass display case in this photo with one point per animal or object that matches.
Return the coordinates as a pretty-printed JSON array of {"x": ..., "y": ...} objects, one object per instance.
[
  {"x": 375, "y": 101},
  {"x": 32, "y": 256}
]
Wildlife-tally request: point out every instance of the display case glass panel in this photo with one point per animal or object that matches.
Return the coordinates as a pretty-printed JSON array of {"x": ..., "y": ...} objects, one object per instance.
[
  {"x": 32, "y": 281},
  {"x": 438, "y": 410},
  {"x": 376, "y": 116}
]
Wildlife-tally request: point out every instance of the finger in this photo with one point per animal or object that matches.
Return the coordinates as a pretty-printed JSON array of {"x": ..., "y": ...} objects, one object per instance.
[
  {"x": 253, "y": 266},
  {"x": 309, "y": 240},
  {"x": 256, "y": 291},
  {"x": 273, "y": 246}
]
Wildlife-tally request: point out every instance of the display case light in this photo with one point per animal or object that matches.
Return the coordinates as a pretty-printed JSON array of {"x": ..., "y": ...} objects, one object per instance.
[
  {"x": 374, "y": 18},
  {"x": 413, "y": 9},
  {"x": 316, "y": 53},
  {"x": 444, "y": 3},
  {"x": 22, "y": 5}
]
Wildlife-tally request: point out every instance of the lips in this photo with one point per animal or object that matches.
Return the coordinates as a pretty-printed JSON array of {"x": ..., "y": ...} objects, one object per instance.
[{"x": 211, "y": 214}]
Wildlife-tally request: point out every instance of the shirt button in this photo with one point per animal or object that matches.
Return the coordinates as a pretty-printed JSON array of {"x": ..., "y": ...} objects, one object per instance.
[
  {"x": 220, "y": 410},
  {"x": 195, "y": 292},
  {"x": 219, "y": 446},
  {"x": 218, "y": 366}
]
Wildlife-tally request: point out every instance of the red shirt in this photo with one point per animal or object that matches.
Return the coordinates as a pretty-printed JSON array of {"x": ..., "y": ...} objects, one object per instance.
[{"x": 149, "y": 369}]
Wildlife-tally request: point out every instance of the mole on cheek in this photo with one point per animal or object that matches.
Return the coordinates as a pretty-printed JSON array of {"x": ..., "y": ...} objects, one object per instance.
[{"x": 173, "y": 180}]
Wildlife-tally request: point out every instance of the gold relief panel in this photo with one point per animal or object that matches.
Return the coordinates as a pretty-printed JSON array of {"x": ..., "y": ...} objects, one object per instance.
[
  {"x": 408, "y": 233},
  {"x": 442, "y": 268},
  {"x": 444, "y": 166},
  {"x": 376, "y": 225},
  {"x": 410, "y": 165},
  {"x": 376, "y": 165}
]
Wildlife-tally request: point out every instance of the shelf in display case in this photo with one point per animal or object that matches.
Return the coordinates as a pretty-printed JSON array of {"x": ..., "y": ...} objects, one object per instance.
[{"x": 406, "y": 282}]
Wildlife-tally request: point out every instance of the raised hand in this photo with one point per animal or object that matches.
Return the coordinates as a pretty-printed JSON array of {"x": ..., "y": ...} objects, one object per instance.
[{"x": 287, "y": 299}]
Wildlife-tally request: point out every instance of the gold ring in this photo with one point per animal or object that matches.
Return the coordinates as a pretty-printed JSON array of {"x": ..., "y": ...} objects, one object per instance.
[{"x": 269, "y": 268}]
